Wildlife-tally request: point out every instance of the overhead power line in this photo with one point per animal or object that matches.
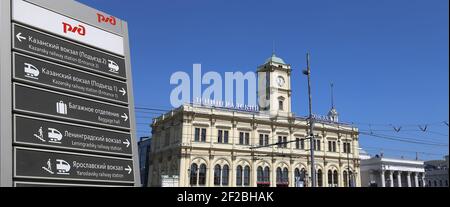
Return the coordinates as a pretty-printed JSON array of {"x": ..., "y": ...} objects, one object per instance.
[
  {"x": 400, "y": 150},
  {"x": 404, "y": 140},
  {"x": 151, "y": 109}
]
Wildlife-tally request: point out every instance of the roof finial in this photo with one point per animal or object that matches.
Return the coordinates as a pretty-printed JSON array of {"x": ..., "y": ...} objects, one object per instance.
[{"x": 332, "y": 95}]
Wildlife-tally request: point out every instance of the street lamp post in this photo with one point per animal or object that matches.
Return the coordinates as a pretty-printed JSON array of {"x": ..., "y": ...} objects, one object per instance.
[{"x": 307, "y": 72}]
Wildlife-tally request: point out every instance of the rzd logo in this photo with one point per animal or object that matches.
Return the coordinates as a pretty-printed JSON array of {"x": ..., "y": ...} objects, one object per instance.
[
  {"x": 77, "y": 29},
  {"x": 109, "y": 19}
]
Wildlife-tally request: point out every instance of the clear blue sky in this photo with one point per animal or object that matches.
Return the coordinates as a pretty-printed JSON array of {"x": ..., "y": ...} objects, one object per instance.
[{"x": 387, "y": 58}]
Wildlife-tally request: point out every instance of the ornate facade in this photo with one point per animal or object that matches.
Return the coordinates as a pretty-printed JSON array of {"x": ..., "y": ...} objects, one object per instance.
[
  {"x": 210, "y": 146},
  {"x": 380, "y": 171}
]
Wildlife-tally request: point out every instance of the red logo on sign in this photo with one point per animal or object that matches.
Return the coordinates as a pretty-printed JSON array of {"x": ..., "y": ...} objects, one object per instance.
[
  {"x": 74, "y": 29},
  {"x": 110, "y": 19}
]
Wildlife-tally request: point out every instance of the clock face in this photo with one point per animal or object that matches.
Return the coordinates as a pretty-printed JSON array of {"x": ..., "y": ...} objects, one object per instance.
[{"x": 280, "y": 81}]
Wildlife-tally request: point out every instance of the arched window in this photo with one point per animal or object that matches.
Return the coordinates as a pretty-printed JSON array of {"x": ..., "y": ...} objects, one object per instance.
[
  {"x": 217, "y": 170},
  {"x": 239, "y": 175},
  {"x": 260, "y": 174},
  {"x": 335, "y": 178},
  {"x": 285, "y": 176},
  {"x": 319, "y": 178},
  {"x": 429, "y": 183},
  {"x": 345, "y": 177},
  {"x": 303, "y": 175},
  {"x": 435, "y": 183},
  {"x": 330, "y": 178},
  {"x": 194, "y": 173},
  {"x": 202, "y": 175},
  {"x": 300, "y": 177},
  {"x": 225, "y": 172},
  {"x": 267, "y": 174},
  {"x": 279, "y": 176},
  {"x": 246, "y": 176},
  {"x": 280, "y": 105},
  {"x": 297, "y": 173}
]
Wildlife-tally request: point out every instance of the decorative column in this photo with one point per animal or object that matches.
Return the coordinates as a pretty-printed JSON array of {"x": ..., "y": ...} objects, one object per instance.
[
  {"x": 408, "y": 178},
  {"x": 209, "y": 171},
  {"x": 273, "y": 174},
  {"x": 183, "y": 172},
  {"x": 391, "y": 178},
  {"x": 232, "y": 172},
  {"x": 423, "y": 180},
  {"x": 416, "y": 180},
  {"x": 399, "y": 178},
  {"x": 291, "y": 174},
  {"x": 253, "y": 172},
  {"x": 383, "y": 181}
]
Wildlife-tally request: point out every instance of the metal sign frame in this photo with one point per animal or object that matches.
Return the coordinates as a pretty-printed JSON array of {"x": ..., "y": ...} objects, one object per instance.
[
  {"x": 56, "y": 147},
  {"x": 66, "y": 153},
  {"x": 85, "y": 15},
  {"x": 14, "y": 38},
  {"x": 75, "y": 97},
  {"x": 44, "y": 184},
  {"x": 60, "y": 67}
]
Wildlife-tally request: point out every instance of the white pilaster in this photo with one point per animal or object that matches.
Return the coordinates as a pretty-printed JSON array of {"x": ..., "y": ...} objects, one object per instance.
[
  {"x": 408, "y": 178},
  {"x": 423, "y": 181},
  {"x": 232, "y": 174},
  {"x": 416, "y": 180},
  {"x": 273, "y": 174},
  {"x": 399, "y": 178},
  {"x": 209, "y": 173},
  {"x": 391, "y": 178},
  {"x": 254, "y": 173},
  {"x": 383, "y": 181}
]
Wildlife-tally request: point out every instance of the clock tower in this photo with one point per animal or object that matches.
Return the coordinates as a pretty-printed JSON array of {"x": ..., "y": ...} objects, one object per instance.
[{"x": 274, "y": 87}]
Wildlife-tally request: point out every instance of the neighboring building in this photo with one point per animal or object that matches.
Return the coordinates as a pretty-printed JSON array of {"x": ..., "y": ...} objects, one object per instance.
[
  {"x": 380, "y": 171},
  {"x": 363, "y": 155},
  {"x": 436, "y": 173},
  {"x": 169, "y": 181},
  {"x": 144, "y": 146},
  {"x": 211, "y": 146}
]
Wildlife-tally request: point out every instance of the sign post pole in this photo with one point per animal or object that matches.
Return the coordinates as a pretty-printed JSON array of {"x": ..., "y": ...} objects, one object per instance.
[{"x": 5, "y": 91}]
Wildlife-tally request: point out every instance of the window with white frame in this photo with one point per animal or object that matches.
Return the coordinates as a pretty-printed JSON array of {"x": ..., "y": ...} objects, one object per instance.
[
  {"x": 244, "y": 138},
  {"x": 263, "y": 139},
  {"x": 200, "y": 134},
  {"x": 197, "y": 175},
  {"x": 222, "y": 136}
]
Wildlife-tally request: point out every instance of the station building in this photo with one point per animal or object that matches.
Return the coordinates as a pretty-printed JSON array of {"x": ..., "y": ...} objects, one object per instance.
[
  {"x": 436, "y": 173},
  {"x": 213, "y": 146},
  {"x": 380, "y": 171}
]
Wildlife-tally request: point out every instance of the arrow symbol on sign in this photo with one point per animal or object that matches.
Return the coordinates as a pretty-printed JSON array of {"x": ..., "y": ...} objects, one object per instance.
[
  {"x": 124, "y": 116},
  {"x": 123, "y": 91},
  {"x": 19, "y": 37},
  {"x": 128, "y": 169},
  {"x": 127, "y": 142}
]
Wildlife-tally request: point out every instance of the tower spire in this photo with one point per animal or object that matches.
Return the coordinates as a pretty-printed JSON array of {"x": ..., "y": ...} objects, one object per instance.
[
  {"x": 332, "y": 95},
  {"x": 333, "y": 114}
]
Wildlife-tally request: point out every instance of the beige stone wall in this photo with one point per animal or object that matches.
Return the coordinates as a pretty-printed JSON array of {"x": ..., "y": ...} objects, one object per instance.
[{"x": 176, "y": 157}]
